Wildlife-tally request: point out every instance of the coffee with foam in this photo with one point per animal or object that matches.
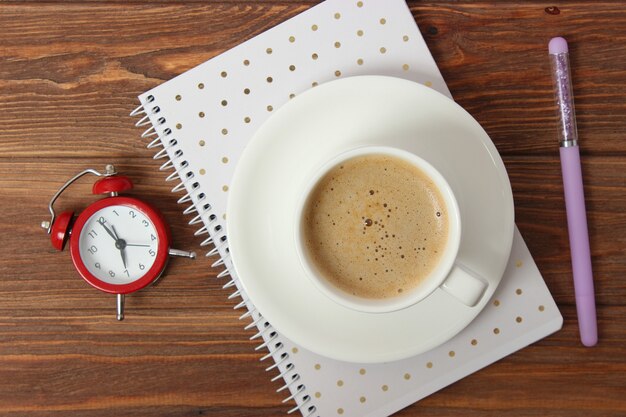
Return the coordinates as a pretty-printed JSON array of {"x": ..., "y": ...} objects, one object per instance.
[{"x": 375, "y": 226}]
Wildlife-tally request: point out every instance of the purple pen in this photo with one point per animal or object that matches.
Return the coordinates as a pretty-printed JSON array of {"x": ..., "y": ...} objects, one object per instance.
[{"x": 574, "y": 195}]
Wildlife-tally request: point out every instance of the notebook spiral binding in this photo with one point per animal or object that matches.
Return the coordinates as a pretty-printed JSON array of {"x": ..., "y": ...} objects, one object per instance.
[{"x": 159, "y": 136}]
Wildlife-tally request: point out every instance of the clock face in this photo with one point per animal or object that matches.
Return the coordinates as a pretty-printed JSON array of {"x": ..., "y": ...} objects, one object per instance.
[{"x": 118, "y": 244}]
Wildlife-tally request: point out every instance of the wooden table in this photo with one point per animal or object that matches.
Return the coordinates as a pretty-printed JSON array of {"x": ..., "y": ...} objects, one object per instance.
[{"x": 69, "y": 75}]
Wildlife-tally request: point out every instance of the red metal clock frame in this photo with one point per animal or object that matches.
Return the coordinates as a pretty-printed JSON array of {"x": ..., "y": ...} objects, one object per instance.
[{"x": 164, "y": 241}]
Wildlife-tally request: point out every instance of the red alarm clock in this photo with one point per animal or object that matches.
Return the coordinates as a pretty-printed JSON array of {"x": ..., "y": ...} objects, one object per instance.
[{"x": 118, "y": 244}]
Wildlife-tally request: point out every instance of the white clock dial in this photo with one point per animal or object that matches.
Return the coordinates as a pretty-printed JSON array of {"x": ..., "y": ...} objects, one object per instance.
[{"x": 118, "y": 244}]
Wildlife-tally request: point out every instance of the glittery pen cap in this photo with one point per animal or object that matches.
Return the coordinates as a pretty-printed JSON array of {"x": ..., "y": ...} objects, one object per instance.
[
  {"x": 557, "y": 46},
  {"x": 559, "y": 60}
]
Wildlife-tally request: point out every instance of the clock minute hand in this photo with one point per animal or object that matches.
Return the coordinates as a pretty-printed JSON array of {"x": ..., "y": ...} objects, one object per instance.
[
  {"x": 123, "y": 253},
  {"x": 121, "y": 245}
]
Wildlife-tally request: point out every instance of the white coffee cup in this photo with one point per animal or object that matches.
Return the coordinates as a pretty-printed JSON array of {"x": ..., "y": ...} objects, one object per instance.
[{"x": 449, "y": 274}]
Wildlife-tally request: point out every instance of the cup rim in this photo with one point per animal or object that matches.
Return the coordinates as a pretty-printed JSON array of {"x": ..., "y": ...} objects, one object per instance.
[{"x": 434, "y": 279}]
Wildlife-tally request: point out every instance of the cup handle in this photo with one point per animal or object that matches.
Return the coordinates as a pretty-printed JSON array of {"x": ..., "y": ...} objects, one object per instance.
[{"x": 464, "y": 285}]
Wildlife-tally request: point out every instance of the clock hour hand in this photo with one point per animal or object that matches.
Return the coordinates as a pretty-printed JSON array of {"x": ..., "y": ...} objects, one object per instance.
[{"x": 113, "y": 235}]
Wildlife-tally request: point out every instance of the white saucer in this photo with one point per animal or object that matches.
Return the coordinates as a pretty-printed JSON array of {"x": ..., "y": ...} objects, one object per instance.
[{"x": 310, "y": 130}]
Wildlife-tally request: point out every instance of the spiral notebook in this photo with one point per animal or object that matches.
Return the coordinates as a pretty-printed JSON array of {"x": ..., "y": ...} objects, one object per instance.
[{"x": 199, "y": 123}]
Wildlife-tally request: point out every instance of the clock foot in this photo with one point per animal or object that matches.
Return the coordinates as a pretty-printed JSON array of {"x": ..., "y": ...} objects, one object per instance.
[
  {"x": 120, "y": 306},
  {"x": 183, "y": 253}
]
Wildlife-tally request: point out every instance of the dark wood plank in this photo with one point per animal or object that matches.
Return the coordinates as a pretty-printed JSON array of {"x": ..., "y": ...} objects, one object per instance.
[
  {"x": 86, "y": 73},
  {"x": 506, "y": 84},
  {"x": 173, "y": 368},
  {"x": 240, "y": 3},
  {"x": 540, "y": 216},
  {"x": 494, "y": 58}
]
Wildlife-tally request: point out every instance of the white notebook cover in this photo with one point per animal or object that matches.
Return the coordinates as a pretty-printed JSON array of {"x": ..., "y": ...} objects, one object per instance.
[{"x": 199, "y": 123}]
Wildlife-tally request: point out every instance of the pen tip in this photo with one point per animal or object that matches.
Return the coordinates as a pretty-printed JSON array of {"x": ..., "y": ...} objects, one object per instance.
[
  {"x": 557, "y": 45},
  {"x": 589, "y": 340}
]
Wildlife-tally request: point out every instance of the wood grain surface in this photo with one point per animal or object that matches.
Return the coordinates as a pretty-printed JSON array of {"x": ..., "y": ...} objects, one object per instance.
[{"x": 69, "y": 75}]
